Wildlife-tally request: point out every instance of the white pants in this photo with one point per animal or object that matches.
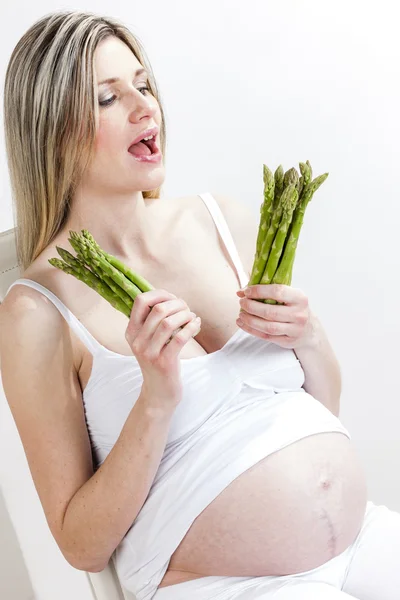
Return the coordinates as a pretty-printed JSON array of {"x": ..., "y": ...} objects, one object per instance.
[{"x": 369, "y": 569}]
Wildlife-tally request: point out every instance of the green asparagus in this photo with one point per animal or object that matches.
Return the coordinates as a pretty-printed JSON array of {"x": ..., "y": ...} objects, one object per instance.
[
  {"x": 267, "y": 206},
  {"x": 84, "y": 274},
  {"x": 139, "y": 281},
  {"x": 291, "y": 178},
  {"x": 286, "y": 263},
  {"x": 83, "y": 255},
  {"x": 276, "y": 246},
  {"x": 91, "y": 267},
  {"x": 288, "y": 201},
  {"x": 279, "y": 177},
  {"x": 262, "y": 258},
  {"x": 99, "y": 261}
]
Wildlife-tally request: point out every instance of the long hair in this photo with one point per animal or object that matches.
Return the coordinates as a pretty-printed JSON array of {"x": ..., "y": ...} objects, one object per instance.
[{"x": 50, "y": 116}]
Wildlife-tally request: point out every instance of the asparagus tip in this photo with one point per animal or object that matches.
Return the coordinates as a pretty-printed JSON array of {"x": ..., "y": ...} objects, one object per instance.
[
  {"x": 75, "y": 236},
  {"x": 56, "y": 262}
]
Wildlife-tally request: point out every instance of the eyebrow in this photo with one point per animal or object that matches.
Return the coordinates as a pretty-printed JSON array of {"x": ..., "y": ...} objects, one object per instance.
[{"x": 115, "y": 79}]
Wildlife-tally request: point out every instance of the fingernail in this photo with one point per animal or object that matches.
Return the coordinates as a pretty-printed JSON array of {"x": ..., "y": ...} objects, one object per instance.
[{"x": 246, "y": 291}]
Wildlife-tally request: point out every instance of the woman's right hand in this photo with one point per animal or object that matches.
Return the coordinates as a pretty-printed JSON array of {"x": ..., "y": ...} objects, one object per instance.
[{"x": 155, "y": 316}]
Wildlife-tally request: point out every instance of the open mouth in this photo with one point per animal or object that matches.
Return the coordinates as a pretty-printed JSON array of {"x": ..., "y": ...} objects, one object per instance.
[{"x": 146, "y": 147}]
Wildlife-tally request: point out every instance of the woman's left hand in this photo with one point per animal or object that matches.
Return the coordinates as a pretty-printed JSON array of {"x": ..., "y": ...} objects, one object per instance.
[{"x": 288, "y": 326}]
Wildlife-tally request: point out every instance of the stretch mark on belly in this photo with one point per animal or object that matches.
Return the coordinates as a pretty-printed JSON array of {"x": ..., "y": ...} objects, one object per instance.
[{"x": 332, "y": 535}]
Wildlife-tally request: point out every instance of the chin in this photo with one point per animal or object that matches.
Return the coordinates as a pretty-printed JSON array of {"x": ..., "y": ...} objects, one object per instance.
[{"x": 151, "y": 180}]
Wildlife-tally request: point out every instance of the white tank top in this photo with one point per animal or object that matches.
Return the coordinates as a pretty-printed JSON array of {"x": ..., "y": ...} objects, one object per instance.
[{"x": 240, "y": 404}]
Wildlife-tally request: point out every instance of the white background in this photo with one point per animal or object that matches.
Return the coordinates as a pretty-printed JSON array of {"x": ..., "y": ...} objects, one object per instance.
[{"x": 280, "y": 82}]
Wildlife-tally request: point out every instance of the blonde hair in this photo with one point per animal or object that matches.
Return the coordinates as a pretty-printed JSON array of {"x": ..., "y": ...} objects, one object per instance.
[{"x": 50, "y": 116}]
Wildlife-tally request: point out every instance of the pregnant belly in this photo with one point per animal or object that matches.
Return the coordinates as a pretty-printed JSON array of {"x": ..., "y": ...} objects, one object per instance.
[{"x": 291, "y": 512}]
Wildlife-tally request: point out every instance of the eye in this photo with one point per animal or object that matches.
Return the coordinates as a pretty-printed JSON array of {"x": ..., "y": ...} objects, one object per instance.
[{"x": 107, "y": 101}]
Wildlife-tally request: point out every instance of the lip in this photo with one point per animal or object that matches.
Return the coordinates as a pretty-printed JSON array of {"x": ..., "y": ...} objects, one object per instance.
[
  {"x": 153, "y": 158},
  {"x": 151, "y": 131}
]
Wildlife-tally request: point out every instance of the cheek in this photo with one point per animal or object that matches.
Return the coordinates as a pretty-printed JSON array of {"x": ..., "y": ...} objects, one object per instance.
[
  {"x": 101, "y": 140},
  {"x": 105, "y": 136}
]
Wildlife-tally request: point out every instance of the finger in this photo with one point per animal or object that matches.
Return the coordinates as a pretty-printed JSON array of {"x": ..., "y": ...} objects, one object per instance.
[
  {"x": 269, "y": 312},
  {"x": 160, "y": 312},
  {"x": 143, "y": 304},
  {"x": 166, "y": 329},
  {"x": 267, "y": 327},
  {"x": 180, "y": 338},
  {"x": 284, "y": 294},
  {"x": 281, "y": 340},
  {"x": 256, "y": 332}
]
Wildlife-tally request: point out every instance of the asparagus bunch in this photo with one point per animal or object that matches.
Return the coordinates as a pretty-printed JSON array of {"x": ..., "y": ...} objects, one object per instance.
[
  {"x": 104, "y": 273},
  {"x": 286, "y": 197}
]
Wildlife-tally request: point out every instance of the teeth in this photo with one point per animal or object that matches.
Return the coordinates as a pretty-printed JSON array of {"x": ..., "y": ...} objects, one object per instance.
[{"x": 150, "y": 137}]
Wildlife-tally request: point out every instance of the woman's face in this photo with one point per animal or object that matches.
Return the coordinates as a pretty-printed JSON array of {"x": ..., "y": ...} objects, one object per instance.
[{"x": 127, "y": 111}]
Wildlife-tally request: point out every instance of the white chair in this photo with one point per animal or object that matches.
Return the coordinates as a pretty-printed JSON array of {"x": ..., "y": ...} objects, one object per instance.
[{"x": 50, "y": 573}]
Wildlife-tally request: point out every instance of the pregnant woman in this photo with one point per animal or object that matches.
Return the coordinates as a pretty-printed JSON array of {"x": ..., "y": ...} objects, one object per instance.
[{"x": 209, "y": 462}]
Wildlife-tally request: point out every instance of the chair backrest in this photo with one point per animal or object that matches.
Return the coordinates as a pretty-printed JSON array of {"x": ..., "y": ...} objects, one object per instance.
[
  {"x": 104, "y": 585},
  {"x": 9, "y": 270}
]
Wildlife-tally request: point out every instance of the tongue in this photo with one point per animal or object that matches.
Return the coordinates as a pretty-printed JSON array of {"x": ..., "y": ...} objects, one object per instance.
[{"x": 140, "y": 149}]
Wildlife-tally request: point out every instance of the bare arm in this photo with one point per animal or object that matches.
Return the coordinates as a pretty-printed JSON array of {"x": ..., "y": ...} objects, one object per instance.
[
  {"x": 321, "y": 368},
  {"x": 88, "y": 514}
]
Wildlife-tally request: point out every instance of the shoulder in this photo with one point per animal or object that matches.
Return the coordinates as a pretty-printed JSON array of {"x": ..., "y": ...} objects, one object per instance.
[
  {"x": 22, "y": 303},
  {"x": 243, "y": 224},
  {"x": 25, "y": 309},
  {"x": 31, "y": 326},
  {"x": 241, "y": 217},
  {"x": 238, "y": 213}
]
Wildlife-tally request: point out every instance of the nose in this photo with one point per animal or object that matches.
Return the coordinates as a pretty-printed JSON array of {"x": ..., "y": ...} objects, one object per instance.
[{"x": 141, "y": 107}]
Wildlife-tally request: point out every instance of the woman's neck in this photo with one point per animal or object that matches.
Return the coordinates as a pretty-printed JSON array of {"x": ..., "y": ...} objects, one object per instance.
[{"x": 125, "y": 225}]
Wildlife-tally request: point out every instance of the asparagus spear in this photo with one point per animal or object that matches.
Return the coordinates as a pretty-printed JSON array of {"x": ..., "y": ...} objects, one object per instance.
[
  {"x": 305, "y": 177},
  {"x": 286, "y": 264},
  {"x": 98, "y": 260},
  {"x": 84, "y": 257},
  {"x": 86, "y": 276},
  {"x": 291, "y": 178},
  {"x": 139, "y": 281},
  {"x": 123, "y": 287},
  {"x": 76, "y": 246},
  {"x": 267, "y": 207},
  {"x": 92, "y": 267},
  {"x": 288, "y": 201},
  {"x": 279, "y": 177},
  {"x": 115, "y": 288},
  {"x": 266, "y": 211},
  {"x": 304, "y": 180},
  {"x": 261, "y": 261}
]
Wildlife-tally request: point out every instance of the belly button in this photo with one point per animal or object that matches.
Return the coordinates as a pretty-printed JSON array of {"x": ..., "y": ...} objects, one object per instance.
[{"x": 326, "y": 484}]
